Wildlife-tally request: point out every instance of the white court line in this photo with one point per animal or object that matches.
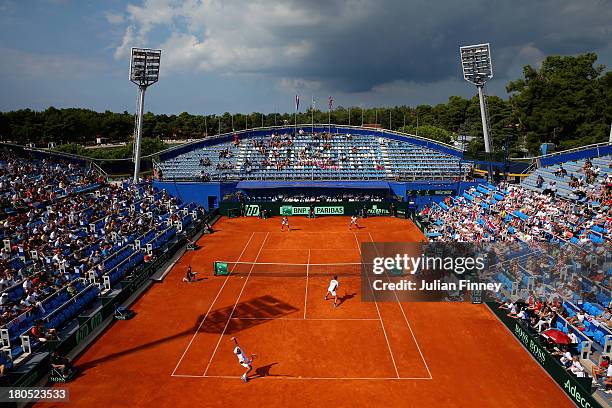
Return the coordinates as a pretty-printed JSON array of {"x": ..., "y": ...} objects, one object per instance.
[
  {"x": 211, "y": 305},
  {"x": 306, "y": 294},
  {"x": 382, "y": 324},
  {"x": 291, "y": 264},
  {"x": 279, "y": 377},
  {"x": 405, "y": 317},
  {"x": 325, "y": 378},
  {"x": 299, "y": 318},
  {"x": 235, "y": 304},
  {"x": 302, "y": 249}
]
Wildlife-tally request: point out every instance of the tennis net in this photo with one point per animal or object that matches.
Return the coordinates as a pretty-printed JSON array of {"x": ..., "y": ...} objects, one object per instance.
[{"x": 224, "y": 268}]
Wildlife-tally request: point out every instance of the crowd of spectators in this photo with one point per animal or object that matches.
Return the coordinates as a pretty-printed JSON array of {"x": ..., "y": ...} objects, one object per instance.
[
  {"x": 538, "y": 315},
  {"x": 25, "y": 184},
  {"x": 319, "y": 198},
  {"x": 512, "y": 212},
  {"x": 47, "y": 239},
  {"x": 560, "y": 246},
  {"x": 279, "y": 151}
]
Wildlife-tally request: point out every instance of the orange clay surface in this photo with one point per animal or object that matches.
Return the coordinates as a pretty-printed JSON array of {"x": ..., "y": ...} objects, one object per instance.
[{"x": 177, "y": 351}]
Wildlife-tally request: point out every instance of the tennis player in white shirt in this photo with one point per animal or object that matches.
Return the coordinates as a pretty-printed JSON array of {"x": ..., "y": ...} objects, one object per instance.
[
  {"x": 243, "y": 360},
  {"x": 332, "y": 289}
]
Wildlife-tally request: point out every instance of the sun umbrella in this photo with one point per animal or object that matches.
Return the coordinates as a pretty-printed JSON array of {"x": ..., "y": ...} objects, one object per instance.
[{"x": 556, "y": 336}]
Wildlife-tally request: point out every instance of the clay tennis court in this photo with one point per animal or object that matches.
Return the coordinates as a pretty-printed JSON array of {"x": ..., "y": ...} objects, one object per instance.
[{"x": 177, "y": 350}]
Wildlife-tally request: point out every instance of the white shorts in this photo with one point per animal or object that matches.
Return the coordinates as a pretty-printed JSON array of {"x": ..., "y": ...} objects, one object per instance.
[
  {"x": 245, "y": 364},
  {"x": 333, "y": 292}
]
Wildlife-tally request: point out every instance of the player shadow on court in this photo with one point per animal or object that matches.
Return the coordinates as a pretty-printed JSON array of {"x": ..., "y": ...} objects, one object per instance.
[
  {"x": 347, "y": 296},
  {"x": 247, "y": 314},
  {"x": 264, "y": 371}
]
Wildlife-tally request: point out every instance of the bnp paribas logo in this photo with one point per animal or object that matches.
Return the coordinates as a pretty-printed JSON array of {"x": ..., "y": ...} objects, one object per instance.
[{"x": 286, "y": 210}]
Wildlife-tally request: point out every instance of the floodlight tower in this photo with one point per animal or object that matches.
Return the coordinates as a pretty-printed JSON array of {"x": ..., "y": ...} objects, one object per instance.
[
  {"x": 477, "y": 69},
  {"x": 144, "y": 72}
]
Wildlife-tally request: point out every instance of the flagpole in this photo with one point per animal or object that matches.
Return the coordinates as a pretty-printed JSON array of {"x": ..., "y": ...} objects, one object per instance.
[
  {"x": 349, "y": 116},
  {"x": 312, "y": 115},
  {"x": 329, "y": 108}
]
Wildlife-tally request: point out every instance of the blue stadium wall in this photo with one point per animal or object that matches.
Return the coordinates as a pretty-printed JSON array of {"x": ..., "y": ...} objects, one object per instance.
[
  {"x": 561, "y": 157},
  {"x": 423, "y": 193}
]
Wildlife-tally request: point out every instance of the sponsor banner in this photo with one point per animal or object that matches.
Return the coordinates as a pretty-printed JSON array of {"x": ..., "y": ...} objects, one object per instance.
[
  {"x": 251, "y": 210},
  {"x": 292, "y": 210},
  {"x": 448, "y": 192},
  {"x": 254, "y": 209},
  {"x": 376, "y": 210},
  {"x": 329, "y": 210}
]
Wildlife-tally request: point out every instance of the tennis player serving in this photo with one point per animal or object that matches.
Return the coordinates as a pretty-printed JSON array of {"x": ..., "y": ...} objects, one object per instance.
[{"x": 243, "y": 360}]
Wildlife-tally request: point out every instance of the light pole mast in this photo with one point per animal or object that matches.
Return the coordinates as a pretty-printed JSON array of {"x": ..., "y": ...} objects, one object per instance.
[
  {"x": 484, "y": 117},
  {"x": 144, "y": 72},
  {"x": 478, "y": 69}
]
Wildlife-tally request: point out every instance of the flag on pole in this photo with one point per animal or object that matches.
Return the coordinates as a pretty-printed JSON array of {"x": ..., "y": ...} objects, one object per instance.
[
  {"x": 331, "y": 102},
  {"x": 297, "y": 103}
]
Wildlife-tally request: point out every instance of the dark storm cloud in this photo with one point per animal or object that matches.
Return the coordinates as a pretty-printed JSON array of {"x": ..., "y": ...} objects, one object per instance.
[{"x": 419, "y": 40}]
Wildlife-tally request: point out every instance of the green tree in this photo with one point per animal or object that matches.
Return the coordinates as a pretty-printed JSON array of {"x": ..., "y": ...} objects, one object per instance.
[{"x": 429, "y": 132}]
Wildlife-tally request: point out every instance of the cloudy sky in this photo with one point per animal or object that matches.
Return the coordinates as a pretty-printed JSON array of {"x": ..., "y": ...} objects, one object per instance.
[{"x": 255, "y": 55}]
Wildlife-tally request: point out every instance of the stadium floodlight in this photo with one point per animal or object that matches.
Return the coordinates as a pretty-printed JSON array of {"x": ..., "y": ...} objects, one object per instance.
[
  {"x": 144, "y": 72},
  {"x": 477, "y": 69}
]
